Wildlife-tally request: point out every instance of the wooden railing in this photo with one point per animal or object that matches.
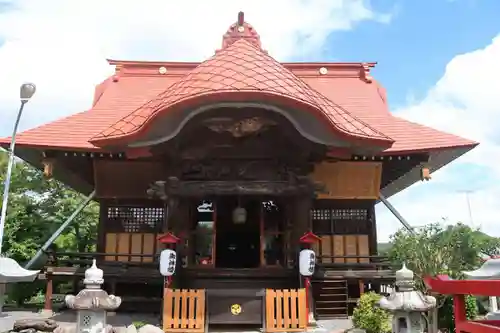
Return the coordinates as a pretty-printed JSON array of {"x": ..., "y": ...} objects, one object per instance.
[
  {"x": 184, "y": 310},
  {"x": 84, "y": 259},
  {"x": 78, "y": 259},
  {"x": 286, "y": 310},
  {"x": 355, "y": 262}
]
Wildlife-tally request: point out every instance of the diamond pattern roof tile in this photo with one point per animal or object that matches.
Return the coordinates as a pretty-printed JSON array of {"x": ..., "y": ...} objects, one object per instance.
[{"x": 243, "y": 68}]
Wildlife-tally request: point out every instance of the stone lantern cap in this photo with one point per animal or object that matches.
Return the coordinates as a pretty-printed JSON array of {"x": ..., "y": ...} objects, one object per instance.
[
  {"x": 11, "y": 271},
  {"x": 93, "y": 297},
  {"x": 405, "y": 297},
  {"x": 490, "y": 270}
]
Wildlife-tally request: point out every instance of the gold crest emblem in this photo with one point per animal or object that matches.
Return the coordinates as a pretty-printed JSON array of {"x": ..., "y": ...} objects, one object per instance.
[{"x": 235, "y": 309}]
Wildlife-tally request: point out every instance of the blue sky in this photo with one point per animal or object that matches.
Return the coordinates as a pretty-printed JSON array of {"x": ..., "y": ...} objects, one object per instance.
[
  {"x": 413, "y": 50},
  {"x": 437, "y": 59}
]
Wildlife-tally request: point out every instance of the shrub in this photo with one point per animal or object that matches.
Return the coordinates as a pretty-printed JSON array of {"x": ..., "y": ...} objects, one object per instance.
[
  {"x": 138, "y": 324},
  {"x": 368, "y": 316},
  {"x": 446, "y": 316}
]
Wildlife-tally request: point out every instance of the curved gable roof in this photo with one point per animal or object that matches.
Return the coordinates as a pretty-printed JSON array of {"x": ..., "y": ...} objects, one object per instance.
[{"x": 242, "y": 71}]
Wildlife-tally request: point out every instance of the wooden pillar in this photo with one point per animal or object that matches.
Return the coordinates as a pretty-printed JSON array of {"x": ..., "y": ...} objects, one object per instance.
[
  {"x": 75, "y": 284},
  {"x": 372, "y": 227},
  {"x": 101, "y": 228},
  {"x": 372, "y": 241},
  {"x": 49, "y": 290},
  {"x": 2, "y": 296},
  {"x": 178, "y": 224},
  {"x": 112, "y": 286},
  {"x": 301, "y": 219},
  {"x": 361, "y": 287}
]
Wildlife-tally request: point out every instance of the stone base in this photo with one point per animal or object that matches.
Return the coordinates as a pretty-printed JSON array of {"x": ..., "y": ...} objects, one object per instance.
[
  {"x": 46, "y": 313},
  {"x": 493, "y": 315},
  {"x": 311, "y": 322},
  {"x": 6, "y": 322}
]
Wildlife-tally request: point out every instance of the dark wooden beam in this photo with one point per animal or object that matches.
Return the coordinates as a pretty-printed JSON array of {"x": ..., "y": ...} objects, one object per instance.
[
  {"x": 395, "y": 168},
  {"x": 211, "y": 188}
]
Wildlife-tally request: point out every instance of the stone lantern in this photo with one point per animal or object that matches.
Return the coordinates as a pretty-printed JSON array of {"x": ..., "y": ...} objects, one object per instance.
[
  {"x": 490, "y": 270},
  {"x": 407, "y": 304},
  {"x": 92, "y": 303},
  {"x": 11, "y": 272}
]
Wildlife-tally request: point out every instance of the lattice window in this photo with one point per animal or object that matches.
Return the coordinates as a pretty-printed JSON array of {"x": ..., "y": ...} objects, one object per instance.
[
  {"x": 86, "y": 321},
  {"x": 135, "y": 219},
  {"x": 321, "y": 214},
  {"x": 321, "y": 220},
  {"x": 339, "y": 220},
  {"x": 349, "y": 214}
]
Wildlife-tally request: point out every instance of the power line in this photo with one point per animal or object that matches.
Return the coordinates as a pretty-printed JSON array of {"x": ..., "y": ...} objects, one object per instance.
[{"x": 469, "y": 207}]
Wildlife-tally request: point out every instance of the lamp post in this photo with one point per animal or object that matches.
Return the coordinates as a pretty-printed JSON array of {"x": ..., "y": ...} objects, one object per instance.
[{"x": 26, "y": 92}]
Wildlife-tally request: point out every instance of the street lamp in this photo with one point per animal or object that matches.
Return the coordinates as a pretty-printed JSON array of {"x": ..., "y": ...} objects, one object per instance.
[{"x": 26, "y": 92}]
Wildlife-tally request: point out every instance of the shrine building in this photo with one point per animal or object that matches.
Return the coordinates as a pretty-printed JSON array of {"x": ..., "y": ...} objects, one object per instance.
[{"x": 237, "y": 160}]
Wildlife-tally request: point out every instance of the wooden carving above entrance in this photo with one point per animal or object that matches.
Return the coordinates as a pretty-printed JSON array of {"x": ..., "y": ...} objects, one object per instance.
[
  {"x": 232, "y": 169},
  {"x": 239, "y": 127},
  {"x": 173, "y": 187}
]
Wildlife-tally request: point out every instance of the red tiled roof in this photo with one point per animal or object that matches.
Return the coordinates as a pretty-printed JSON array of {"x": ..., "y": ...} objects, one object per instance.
[
  {"x": 237, "y": 72},
  {"x": 368, "y": 103},
  {"x": 125, "y": 104},
  {"x": 363, "y": 100}
]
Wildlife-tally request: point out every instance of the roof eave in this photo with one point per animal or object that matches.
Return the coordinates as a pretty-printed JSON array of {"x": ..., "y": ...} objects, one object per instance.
[
  {"x": 33, "y": 157},
  {"x": 5, "y": 142},
  {"x": 438, "y": 159},
  {"x": 470, "y": 145}
]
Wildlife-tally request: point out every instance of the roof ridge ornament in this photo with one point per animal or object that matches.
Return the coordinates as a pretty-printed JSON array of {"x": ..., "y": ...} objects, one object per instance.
[
  {"x": 241, "y": 19},
  {"x": 241, "y": 30},
  {"x": 365, "y": 73}
]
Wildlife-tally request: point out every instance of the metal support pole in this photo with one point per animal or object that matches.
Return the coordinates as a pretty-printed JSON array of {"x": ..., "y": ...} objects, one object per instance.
[
  {"x": 60, "y": 230},
  {"x": 8, "y": 175},
  {"x": 396, "y": 214}
]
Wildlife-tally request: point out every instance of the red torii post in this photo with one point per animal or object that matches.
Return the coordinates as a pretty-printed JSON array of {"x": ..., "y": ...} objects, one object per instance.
[
  {"x": 306, "y": 242},
  {"x": 459, "y": 289}
]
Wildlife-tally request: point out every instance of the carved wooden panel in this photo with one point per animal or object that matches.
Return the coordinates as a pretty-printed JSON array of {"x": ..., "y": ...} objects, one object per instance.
[
  {"x": 125, "y": 179},
  {"x": 349, "y": 180}
]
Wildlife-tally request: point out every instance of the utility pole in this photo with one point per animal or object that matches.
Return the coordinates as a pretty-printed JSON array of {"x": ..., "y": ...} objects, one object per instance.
[{"x": 469, "y": 208}]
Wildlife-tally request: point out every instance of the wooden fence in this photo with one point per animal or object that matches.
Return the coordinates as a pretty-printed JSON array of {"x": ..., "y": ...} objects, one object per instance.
[
  {"x": 286, "y": 310},
  {"x": 184, "y": 310}
]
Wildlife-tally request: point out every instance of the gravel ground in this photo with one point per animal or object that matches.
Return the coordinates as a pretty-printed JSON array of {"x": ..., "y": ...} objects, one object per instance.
[{"x": 68, "y": 318}]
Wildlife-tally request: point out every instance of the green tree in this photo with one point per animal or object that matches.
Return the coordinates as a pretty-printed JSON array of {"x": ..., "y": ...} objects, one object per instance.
[
  {"x": 37, "y": 207},
  {"x": 436, "y": 249}
]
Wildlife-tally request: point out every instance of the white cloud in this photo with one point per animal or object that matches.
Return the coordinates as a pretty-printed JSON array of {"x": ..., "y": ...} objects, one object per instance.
[
  {"x": 464, "y": 102},
  {"x": 61, "y": 45}
]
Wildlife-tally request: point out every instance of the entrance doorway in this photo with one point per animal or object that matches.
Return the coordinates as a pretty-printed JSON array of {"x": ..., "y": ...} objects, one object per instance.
[{"x": 237, "y": 239}]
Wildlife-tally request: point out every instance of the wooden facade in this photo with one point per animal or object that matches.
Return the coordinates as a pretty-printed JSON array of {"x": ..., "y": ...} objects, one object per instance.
[
  {"x": 191, "y": 187},
  {"x": 238, "y": 157},
  {"x": 341, "y": 213},
  {"x": 284, "y": 195}
]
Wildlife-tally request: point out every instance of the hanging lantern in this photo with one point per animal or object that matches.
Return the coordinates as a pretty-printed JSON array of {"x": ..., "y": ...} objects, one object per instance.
[{"x": 239, "y": 215}]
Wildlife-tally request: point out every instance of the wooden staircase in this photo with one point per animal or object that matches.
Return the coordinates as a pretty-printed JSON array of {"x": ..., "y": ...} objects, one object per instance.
[{"x": 330, "y": 298}]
